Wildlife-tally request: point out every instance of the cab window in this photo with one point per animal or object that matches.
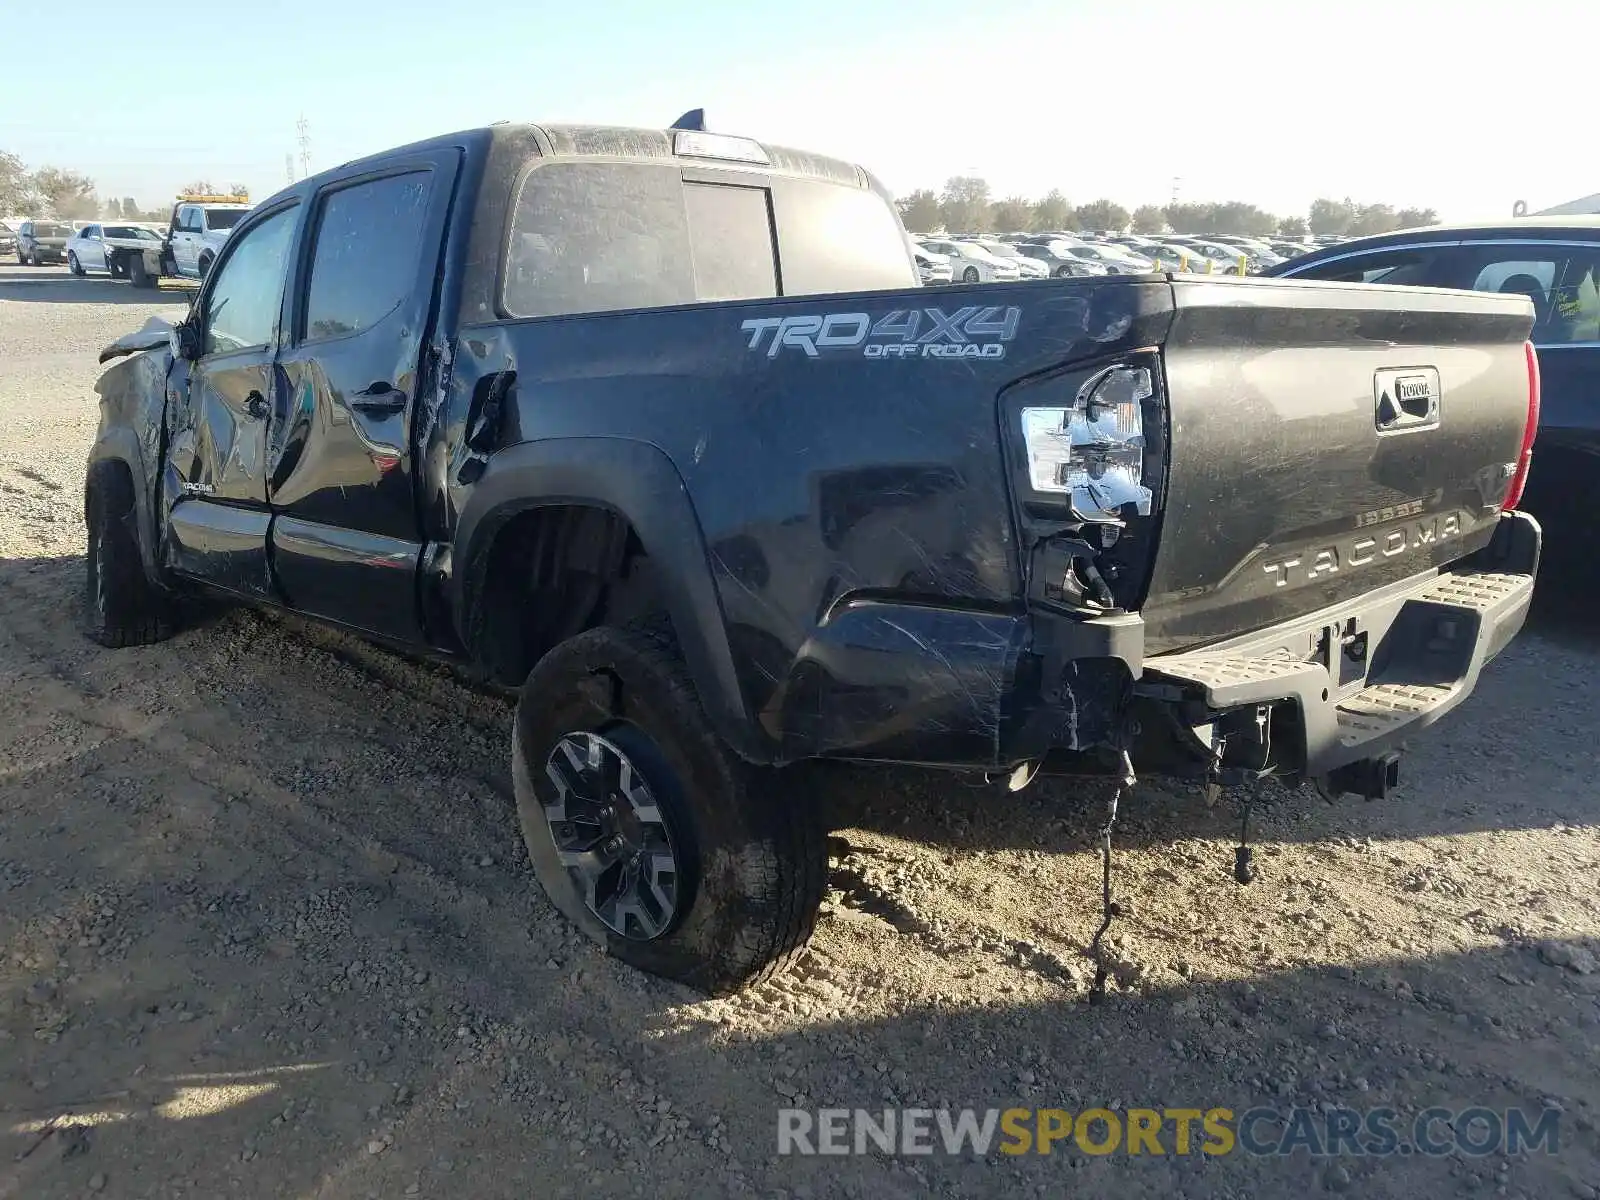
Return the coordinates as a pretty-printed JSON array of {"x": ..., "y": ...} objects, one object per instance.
[
  {"x": 247, "y": 287},
  {"x": 1563, "y": 282},
  {"x": 364, "y": 260},
  {"x": 1413, "y": 267},
  {"x": 597, "y": 237}
]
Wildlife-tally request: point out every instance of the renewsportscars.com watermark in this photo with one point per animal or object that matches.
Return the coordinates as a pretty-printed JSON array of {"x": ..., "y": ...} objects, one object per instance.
[{"x": 1265, "y": 1132}]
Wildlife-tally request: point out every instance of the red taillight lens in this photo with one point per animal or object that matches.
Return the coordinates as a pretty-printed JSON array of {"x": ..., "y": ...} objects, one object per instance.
[{"x": 1519, "y": 481}]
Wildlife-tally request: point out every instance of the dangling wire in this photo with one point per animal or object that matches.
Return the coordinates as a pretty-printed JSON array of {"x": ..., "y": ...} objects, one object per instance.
[{"x": 1108, "y": 906}]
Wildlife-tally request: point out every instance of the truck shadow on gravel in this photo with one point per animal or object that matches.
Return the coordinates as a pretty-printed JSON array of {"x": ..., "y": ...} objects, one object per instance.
[
  {"x": 297, "y": 1073},
  {"x": 268, "y": 930},
  {"x": 67, "y": 289}
]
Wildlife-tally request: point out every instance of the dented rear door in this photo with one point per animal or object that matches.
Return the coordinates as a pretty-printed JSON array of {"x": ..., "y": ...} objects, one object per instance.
[{"x": 1327, "y": 439}]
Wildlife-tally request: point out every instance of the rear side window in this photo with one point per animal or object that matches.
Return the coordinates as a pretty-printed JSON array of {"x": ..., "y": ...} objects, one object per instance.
[
  {"x": 596, "y": 237},
  {"x": 601, "y": 236},
  {"x": 730, "y": 229},
  {"x": 1562, "y": 281},
  {"x": 833, "y": 238},
  {"x": 364, "y": 262},
  {"x": 1399, "y": 267}
]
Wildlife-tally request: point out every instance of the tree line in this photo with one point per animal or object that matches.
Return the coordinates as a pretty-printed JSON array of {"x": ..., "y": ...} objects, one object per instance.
[
  {"x": 70, "y": 196},
  {"x": 965, "y": 205}
]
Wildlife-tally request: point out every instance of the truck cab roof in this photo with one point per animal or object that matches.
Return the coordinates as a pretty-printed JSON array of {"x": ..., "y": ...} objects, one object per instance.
[
  {"x": 638, "y": 144},
  {"x": 565, "y": 219}
]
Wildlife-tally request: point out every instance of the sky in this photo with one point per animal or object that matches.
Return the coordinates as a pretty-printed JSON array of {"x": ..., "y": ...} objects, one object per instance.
[{"x": 1458, "y": 107}]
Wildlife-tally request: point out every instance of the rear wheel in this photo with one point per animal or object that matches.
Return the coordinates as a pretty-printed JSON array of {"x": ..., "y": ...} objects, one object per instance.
[
  {"x": 646, "y": 831},
  {"x": 74, "y": 265},
  {"x": 122, "y": 607},
  {"x": 970, "y": 275}
]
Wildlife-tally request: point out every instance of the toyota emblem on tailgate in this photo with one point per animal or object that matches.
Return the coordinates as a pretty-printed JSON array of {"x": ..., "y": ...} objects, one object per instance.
[{"x": 1405, "y": 399}]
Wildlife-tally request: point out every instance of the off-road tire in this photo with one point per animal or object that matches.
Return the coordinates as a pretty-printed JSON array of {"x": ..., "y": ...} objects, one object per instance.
[
  {"x": 121, "y": 606},
  {"x": 752, "y": 851}
]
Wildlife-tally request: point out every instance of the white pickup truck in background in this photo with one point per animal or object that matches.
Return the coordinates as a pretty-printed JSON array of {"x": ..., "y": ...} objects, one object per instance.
[{"x": 199, "y": 227}]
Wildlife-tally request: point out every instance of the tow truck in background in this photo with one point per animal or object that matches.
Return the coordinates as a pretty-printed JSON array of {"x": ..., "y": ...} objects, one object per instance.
[{"x": 199, "y": 226}]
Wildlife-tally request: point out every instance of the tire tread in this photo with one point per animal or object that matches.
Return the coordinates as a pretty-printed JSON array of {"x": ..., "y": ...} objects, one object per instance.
[
  {"x": 137, "y": 613},
  {"x": 778, "y": 814}
]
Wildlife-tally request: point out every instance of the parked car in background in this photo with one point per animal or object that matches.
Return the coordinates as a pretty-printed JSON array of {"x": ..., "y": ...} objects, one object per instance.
[
  {"x": 1169, "y": 256},
  {"x": 1027, "y": 267},
  {"x": 1225, "y": 259},
  {"x": 1555, "y": 262},
  {"x": 1255, "y": 245},
  {"x": 1288, "y": 250},
  {"x": 971, "y": 263},
  {"x": 932, "y": 267},
  {"x": 108, "y": 248},
  {"x": 8, "y": 239},
  {"x": 39, "y": 242},
  {"x": 1115, "y": 258},
  {"x": 1137, "y": 242},
  {"x": 1059, "y": 260}
]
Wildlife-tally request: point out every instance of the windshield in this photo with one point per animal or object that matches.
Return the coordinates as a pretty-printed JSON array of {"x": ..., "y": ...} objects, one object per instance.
[
  {"x": 223, "y": 218},
  {"x": 51, "y": 229},
  {"x": 129, "y": 231}
]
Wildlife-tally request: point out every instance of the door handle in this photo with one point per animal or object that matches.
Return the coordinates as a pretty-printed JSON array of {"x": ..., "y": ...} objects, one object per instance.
[
  {"x": 255, "y": 404},
  {"x": 379, "y": 400}
]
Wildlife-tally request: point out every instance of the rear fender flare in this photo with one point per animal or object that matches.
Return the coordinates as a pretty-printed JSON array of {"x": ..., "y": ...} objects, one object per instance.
[{"x": 638, "y": 482}]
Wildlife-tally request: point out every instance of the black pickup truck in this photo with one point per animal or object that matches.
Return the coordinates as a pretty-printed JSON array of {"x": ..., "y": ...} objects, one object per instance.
[{"x": 657, "y": 426}]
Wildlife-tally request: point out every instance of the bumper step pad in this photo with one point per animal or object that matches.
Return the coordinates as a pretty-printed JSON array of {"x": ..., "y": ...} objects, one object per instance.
[{"x": 1427, "y": 647}]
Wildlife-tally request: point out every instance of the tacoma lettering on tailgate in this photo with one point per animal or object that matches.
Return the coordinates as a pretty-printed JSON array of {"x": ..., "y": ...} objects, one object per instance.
[{"x": 1315, "y": 562}]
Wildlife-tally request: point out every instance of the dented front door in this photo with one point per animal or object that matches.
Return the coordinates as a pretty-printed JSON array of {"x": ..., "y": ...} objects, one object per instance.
[{"x": 215, "y": 487}]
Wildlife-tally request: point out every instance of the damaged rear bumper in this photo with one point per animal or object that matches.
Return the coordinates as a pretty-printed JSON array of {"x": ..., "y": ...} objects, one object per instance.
[
  {"x": 1348, "y": 685},
  {"x": 884, "y": 680}
]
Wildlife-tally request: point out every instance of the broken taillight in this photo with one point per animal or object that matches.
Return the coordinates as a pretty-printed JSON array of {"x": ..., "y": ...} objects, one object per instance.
[
  {"x": 1093, "y": 451},
  {"x": 1519, "y": 480}
]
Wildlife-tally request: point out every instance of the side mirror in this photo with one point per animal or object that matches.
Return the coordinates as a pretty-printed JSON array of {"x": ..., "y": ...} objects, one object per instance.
[{"x": 185, "y": 341}]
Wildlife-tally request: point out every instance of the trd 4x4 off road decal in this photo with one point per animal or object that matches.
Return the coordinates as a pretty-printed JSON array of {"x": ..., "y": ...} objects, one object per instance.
[{"x": 972, "y": 332}]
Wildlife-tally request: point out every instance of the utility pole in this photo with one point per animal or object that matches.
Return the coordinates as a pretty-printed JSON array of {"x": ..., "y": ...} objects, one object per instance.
[
  {"x": 1177, "y": 187},
  {"x": 303, "y": 127},
  {"x": 288, "y": 166}
]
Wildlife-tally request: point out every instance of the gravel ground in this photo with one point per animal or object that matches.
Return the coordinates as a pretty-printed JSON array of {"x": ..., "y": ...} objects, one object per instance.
[{"x": 266, "y": 927}]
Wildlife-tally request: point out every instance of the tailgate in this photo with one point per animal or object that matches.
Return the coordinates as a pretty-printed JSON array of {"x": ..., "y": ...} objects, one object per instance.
[{"x": 1327, "y": 439}]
